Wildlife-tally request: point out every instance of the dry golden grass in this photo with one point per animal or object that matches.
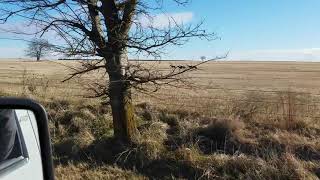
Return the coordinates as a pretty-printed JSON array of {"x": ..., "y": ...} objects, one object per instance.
[
  {"x": 86, "y": 172},
  {"x": 239, "y": 120},
  {"x": 298, "y": 76}
]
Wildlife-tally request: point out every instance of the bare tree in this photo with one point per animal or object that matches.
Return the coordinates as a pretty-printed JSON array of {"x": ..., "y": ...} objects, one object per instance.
[
  {"x": 38, "y": 48},
  {"x": 110, "y": 29}
]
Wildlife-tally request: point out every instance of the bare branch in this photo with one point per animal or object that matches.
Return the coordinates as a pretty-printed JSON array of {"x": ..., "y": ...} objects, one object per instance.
[{"x": 109, "y": 29}]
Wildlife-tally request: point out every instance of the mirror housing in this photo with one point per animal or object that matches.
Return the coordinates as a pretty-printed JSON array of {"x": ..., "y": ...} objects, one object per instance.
[{"x": 43, "y": 131}]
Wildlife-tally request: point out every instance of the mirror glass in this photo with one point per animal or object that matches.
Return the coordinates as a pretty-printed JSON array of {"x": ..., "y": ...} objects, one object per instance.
[{"x": 20, "y": 155}]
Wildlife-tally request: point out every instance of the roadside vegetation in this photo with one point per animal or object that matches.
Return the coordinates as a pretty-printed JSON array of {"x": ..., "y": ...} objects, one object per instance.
[
  {"x": 182, "y": 144},
  {"x": 187, "y": 135},
  {"x": 233, "y": 141}
]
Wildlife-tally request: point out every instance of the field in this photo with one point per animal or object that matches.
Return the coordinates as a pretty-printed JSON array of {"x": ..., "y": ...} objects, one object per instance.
[{"x": 233, "y": 120}]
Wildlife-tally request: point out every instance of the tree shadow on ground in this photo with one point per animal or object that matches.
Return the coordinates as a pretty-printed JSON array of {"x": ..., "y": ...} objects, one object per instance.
[
  {"x": 111, "y": 152},
  {"x": 212, "y": 136}
]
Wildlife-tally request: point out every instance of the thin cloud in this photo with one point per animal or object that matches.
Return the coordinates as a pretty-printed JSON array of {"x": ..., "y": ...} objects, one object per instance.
[
  {"x": 10, "y": 52},
  {"x": 304, "y": 54},
  {"x": 165, "y": 19},
  {"x": 25, "y": 31}
]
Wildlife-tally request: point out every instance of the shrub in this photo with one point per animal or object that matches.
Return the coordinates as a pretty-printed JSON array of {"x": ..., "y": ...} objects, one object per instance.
[{"x": 218, "y": 135}]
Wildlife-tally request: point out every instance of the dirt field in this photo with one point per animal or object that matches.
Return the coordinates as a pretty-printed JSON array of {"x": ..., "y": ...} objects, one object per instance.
[
  {"x": 236, "y": 120},
  {"x": 299, "y": 76},
  {"x": 213, "y": 83},
  {"x": 210, "y": 78}
]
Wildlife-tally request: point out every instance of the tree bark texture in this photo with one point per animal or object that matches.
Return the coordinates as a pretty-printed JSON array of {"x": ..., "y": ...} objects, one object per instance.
[{"x": 124, "y": 123}]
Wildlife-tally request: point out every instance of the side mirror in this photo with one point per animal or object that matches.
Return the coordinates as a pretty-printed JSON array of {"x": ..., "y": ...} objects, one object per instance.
[{"x": 25, "y": 148}]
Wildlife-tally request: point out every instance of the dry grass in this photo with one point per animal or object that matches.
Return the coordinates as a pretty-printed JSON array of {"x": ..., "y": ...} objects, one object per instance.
[
  {"x": 198, "y": 133},
  {"x": 88, "y": 171}
]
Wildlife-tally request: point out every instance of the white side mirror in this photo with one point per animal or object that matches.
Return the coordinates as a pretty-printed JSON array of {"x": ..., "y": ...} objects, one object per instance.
[{"x": 25, "y": 150}]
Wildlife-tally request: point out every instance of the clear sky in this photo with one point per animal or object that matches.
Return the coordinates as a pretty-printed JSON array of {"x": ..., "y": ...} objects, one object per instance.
[{"x": 249, "y": 30}]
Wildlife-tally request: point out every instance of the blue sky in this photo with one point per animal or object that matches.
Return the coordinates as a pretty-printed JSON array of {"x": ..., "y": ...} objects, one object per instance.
[{"x": 249, "y": 30}]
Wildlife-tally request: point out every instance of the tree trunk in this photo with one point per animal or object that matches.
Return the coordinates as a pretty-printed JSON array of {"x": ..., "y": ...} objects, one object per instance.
[
  {"x": 124, "y": 124},
  {"x": 39, "y": 54}
]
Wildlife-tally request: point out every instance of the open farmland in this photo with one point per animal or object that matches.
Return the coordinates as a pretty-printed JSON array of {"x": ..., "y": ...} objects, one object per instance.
[
  {"x": 215, "y": 83},
  {"x": 210, "y": 78},
  {"x": 233, "y": 120}
]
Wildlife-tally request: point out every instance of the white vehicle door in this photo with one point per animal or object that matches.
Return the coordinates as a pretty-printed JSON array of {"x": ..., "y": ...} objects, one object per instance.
[{"x": 27, "y": 159}]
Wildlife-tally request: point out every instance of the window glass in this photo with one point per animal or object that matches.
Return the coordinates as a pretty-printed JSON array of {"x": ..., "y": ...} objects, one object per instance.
[{"x": 11, "y": 149}]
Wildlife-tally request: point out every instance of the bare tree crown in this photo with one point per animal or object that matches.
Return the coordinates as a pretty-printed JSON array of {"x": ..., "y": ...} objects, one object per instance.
[
  {"x": 93, "y": 27},
  {"x": 106, "y": 28},
  {"x": 109, "y": 29},
  {"x": 38, "y": 48}
]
